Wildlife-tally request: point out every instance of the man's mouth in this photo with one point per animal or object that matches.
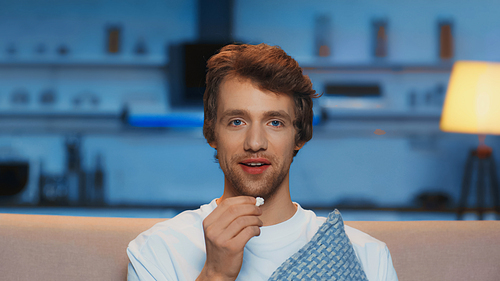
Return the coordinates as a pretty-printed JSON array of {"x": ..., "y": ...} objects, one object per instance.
[{"x": 255, "y": 166}]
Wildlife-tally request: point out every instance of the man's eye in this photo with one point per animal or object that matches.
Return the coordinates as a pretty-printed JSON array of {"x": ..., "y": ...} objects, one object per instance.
[
  {"x": 236, "y": 122},
  {"x": 276, "y": 123}
]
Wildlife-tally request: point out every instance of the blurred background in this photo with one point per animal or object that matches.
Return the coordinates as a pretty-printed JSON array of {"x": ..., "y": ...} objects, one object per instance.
[{"x": 101, "y": 102}]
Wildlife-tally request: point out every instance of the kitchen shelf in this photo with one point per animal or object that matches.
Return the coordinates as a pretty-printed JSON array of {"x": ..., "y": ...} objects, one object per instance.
[
  {"x": 94, "y": 62},
  {"x": 323, "y": 66},
  {"x": 381, "y": 114},
  {"x": 340, "y": 123},
  {"x": 377, "y": 213}
]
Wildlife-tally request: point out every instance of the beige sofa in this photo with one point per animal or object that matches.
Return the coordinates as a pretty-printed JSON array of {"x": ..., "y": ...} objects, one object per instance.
[{"x": 36, "y": 247}]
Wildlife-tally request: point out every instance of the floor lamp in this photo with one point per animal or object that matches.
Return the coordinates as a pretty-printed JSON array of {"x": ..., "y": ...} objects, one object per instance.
[{"x": 472, "y": 106}]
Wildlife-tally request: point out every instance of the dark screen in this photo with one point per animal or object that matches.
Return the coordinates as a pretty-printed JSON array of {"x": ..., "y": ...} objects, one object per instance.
[
  {"x": 353, "y": 90},
  {"x": 195, "y": 58}
]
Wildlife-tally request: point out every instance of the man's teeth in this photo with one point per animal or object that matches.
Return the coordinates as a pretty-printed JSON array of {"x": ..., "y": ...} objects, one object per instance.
[{"x": 254, "y": 164}]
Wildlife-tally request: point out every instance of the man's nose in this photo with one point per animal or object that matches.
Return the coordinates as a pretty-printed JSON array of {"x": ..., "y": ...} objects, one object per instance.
[{"x": 256, "y": 139}]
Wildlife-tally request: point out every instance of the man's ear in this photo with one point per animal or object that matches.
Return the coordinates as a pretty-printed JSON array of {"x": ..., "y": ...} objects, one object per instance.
[
  {"x": 300, "y": 145},
  {"x": 213, "y": 144}
]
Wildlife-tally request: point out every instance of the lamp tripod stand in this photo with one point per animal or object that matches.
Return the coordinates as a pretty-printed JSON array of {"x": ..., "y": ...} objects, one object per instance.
[
  {"x": 481, "y": 159},
  {"x": 471, "y": 107}
]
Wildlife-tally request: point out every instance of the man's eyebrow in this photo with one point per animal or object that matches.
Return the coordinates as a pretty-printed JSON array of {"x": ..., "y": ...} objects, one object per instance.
[
  {"x": 278, "y": 113},
  {"x": 240, "y": 112},
  {"x": 233, "y": 112}
]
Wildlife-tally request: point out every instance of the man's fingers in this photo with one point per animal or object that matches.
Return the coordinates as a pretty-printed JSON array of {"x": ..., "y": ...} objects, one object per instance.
[
  {"x": 240, "y": 240},
  {"x": 227, "y": 212},
  {"x": 238, "y": 225},
  {"x": 218, "y": 225},
  {"x": 238, "y": 200}
]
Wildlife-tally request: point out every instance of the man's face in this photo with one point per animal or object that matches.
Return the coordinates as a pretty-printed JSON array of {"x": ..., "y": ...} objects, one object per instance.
[{"x": 255, "y": 138}]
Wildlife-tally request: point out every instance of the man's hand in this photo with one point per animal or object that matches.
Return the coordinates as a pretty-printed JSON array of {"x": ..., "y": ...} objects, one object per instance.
[{"x": 227, "y": 230}]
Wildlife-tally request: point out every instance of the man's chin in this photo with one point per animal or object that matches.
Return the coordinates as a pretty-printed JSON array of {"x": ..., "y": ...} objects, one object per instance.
[
  {"x": 263, "y": 185},
  {"x": 261, "y": 190}
]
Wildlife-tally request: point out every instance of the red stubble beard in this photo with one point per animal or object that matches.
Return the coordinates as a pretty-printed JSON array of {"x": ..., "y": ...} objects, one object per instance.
[{"x": 263, "y": 185}]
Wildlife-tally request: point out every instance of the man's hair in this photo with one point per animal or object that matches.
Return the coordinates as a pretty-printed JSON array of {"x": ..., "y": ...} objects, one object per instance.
[{"x": 271, "y": 69}]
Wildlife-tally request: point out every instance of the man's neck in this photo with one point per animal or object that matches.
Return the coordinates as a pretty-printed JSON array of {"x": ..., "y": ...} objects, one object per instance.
[{"x": 277, "y": 209}]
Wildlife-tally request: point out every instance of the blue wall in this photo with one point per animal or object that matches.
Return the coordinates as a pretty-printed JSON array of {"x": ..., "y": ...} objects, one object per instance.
[
  {"x": 412, "y": 27},
  {"x": 81, "y": 25},
  {"x": 176, "y": 166}
]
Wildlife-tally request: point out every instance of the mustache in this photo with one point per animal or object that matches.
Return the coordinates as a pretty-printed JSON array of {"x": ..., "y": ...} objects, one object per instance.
[{"x": 237, "y": 158}]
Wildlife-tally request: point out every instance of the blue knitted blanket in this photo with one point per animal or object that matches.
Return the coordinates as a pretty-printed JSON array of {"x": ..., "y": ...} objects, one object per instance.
[{"x": 328, "y": 256}]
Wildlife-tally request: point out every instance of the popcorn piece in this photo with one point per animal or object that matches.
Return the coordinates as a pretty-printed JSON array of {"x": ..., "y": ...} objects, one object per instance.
[{"x": 260, "y": 201}]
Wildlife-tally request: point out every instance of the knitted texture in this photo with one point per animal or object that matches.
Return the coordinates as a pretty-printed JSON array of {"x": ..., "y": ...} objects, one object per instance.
[{"x": 328, "y": 256}]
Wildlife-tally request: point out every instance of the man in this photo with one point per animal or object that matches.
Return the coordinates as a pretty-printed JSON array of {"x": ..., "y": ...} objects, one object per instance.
[{"x": 258, "y": 115}]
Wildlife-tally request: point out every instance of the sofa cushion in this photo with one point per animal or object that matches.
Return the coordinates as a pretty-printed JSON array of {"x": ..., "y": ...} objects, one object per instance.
[
  {"x": 440, "y": 250},
  {"x": 39, "y": 247}
]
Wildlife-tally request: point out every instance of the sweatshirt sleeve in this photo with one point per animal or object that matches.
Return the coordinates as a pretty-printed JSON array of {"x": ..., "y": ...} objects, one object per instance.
[
  {"x": 142, "y": 267},
  {"x": 373, "y": 255},
  {"x": 386, "y": 269}
]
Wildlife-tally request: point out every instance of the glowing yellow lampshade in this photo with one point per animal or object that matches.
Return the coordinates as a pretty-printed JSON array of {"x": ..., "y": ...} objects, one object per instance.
[{"x": 472, "y": 103}]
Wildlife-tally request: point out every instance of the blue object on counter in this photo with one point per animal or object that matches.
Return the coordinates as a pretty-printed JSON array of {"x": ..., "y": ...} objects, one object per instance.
[
  {"x": 177, "y": 120},
  {"x": 173, "y": 120},
  {"x": 316, "y": 119}
]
